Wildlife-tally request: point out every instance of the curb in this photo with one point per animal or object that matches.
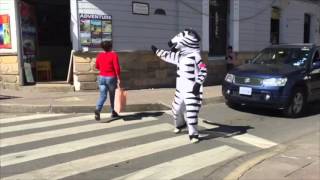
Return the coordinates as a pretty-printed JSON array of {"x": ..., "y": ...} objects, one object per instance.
[
  {"x": 29, "y": 108},
  {"x": 236, "y": 168},
  {"x": 18, "y": 108},
  {"x": 238, "y": 172}
]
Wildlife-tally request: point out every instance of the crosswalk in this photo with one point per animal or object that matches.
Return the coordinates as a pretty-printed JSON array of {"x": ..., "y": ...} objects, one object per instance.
[
  {"x": 168, "y": 170},
  {"x": 135, "y": 147}
]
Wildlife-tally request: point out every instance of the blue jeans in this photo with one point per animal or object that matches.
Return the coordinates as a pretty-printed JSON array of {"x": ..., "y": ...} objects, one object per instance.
[{"x": 106, "y": 84}]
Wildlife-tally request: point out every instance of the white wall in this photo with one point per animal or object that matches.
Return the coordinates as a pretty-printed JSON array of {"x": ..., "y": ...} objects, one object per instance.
[
  {"x": 292, "y": 21},
  {"x": 205, "y": 25},
  {"x": 8, "y": 7},
  {"x": 317, "y": 24},
  {"x": 254, "y": 24},
  {"x": 138, "y": 32},
  {"x": 255, "y": 16},
  {"x": 190, "y": 15},
  {"x": 234, "y": 24}
]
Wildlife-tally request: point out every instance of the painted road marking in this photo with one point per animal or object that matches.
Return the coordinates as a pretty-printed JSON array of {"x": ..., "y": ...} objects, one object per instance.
[
  {"x": 200, "y": 122},
  {"x": 67, "y": 131},
  {"x": 45, "y": 124},
  {"x": 164, "y": 170},
  {"x": 255, "y": 141},
  {"x": 24, "y": 156},
  {"x": 179, "y": 167},
  {"x": 98, "y": 161},
  {"x": 246, "y": 138},
  {"x": 28, "y": 118}
]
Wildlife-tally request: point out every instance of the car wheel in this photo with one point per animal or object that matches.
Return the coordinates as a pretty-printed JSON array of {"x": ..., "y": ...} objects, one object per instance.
[{"x": 296, "y": 104}]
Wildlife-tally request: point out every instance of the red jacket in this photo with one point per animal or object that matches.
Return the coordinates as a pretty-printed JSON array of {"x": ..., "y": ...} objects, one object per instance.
[{"x": 108, "y": 64}]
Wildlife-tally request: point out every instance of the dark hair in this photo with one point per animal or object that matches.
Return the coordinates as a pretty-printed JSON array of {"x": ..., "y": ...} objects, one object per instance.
[
  {"x": 106, "y": 45},
  {"x": 229, "y": 47}
]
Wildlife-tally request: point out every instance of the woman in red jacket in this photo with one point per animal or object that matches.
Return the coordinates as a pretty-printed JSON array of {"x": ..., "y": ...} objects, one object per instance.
[{"x": 107, "y": 63}]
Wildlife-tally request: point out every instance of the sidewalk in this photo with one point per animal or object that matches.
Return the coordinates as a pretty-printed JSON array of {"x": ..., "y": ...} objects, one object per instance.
[
  {"x": 299, "y": 160},
  {"x": 84, "y": 102}
]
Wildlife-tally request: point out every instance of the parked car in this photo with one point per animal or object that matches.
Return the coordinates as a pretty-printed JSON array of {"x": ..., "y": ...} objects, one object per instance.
[{"x": 284, "y": 77}]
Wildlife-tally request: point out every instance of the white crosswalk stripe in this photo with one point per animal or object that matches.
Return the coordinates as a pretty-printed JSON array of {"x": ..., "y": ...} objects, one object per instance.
[
  {"x": 93, "y": 162},
  {"x": 67, "y": 147},
  {"x": 64, "y": 132},
  {"x": 150, "y": 126},
  {"x": 45, "y": 124},
  {"x": 28, "y": 118},
  {"x": 246, "y": 138},
  {"x": 179, "y": 167},
  {"x": 255, "y": 141}
]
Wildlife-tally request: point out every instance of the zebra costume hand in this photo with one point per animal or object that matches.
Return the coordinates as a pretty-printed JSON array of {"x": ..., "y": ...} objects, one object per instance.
[
  {"x": 154, "y": 49},
  {"x": 196, "y": 89}
]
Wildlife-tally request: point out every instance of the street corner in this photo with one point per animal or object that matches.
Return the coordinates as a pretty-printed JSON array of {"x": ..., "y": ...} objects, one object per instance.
[{"x": 244, "y": 164}]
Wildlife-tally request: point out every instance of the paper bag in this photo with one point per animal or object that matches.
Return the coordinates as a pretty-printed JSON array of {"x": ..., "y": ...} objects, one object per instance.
[{"x": 120, "y": 100}]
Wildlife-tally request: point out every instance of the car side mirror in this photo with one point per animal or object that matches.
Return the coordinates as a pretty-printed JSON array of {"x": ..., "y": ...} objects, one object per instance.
[{"x": 316, "y": 65}]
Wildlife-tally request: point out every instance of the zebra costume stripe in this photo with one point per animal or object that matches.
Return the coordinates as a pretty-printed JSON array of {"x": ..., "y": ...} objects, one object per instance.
[{"x": 191, "y": 74}]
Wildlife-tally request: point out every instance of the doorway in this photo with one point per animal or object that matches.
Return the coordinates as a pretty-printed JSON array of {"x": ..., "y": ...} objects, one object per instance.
[
  {"x": 52, "y": 38},
  {"x": 307, "y": 27},
  {"x": 218, "y": 27},
  {"x": 275, "y": 26}
]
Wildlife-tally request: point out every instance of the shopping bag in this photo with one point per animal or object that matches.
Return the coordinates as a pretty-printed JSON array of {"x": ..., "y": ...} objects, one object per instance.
[{"x": 120, "y": 100}]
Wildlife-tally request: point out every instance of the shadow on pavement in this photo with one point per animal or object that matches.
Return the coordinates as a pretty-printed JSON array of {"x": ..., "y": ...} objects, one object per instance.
[
  {"x": 311, "y": 109},
  {"x": 3, "y": 97},
  {"x": 136, "y": 116},
  {"x": 224, "y": 131}
]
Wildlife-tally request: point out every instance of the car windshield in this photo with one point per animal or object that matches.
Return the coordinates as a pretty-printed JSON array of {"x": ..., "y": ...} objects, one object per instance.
[{"x": 291, "y": 56}]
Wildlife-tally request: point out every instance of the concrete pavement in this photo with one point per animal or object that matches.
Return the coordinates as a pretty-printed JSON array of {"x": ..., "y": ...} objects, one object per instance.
[
  {"x": 298, "y": 159},
  {"x": 83, "y": 102}
]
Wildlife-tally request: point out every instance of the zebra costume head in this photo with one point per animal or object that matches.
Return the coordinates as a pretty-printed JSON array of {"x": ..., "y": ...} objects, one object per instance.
[{"x": 186, "y": 41}]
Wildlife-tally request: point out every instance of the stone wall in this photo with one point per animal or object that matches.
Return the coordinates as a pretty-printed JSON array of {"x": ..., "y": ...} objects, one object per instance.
[
  {"x": 139, "y": 70},
  {"x": 9, "y": 71},
  {"x": 216, "y": 72},
  {"x": 84, "y": 72},
  {"x": 217, "y": 67}
]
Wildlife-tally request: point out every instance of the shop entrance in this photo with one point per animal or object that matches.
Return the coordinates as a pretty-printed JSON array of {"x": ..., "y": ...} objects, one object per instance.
[{"x": 50, "y": 38}]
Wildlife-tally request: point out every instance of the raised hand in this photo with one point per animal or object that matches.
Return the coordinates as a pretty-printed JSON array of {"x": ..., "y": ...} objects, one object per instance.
[{"x": 154, "y": 48}]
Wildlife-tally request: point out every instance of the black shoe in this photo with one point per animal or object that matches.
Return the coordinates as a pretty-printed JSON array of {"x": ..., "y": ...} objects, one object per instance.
[
  {"x": 178, "y": 130},
  {"x": 97, "y": 115},
  {"x": 114, "y": 114},
  {"x": 182, "y": 126},
  {"x": 194, "y": 139}
]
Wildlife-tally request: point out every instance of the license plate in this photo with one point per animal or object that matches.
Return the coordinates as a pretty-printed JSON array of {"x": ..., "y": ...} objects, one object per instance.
[{"x": 245, "y": 91}]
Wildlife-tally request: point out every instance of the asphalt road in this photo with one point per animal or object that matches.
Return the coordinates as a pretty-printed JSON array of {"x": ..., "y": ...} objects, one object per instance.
[{"x": 140, "y": 145}]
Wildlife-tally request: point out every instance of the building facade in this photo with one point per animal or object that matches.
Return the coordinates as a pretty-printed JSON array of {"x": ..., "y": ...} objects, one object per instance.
[
  {"x": 266, "y": 22},
  {"x": 58, "y": 40}
]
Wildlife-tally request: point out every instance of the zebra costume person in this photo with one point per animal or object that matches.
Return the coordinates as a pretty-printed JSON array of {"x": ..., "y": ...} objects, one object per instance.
[{"x": 191, "y": 73}]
